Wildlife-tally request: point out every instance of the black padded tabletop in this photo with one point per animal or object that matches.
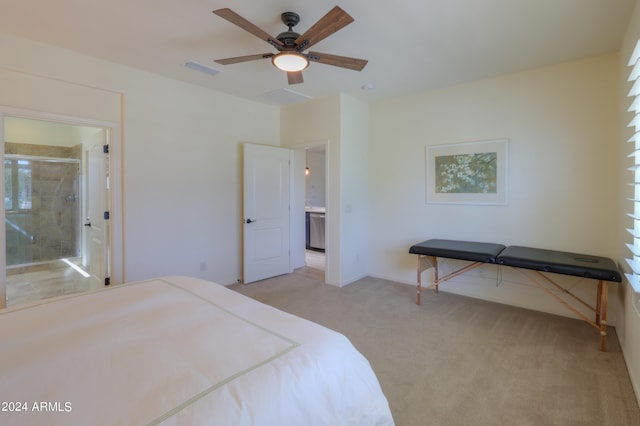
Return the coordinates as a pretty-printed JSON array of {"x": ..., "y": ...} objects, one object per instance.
[
  {"x": 560, "y": 262},
  {"x": 463, "y": 250}
]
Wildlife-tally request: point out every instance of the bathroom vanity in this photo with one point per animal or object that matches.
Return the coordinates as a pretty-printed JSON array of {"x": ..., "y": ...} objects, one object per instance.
[{"x": 314, "y": 220}]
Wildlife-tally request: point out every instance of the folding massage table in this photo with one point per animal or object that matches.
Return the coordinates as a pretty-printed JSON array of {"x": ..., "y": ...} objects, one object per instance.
[{"x": 601, "y": 269}]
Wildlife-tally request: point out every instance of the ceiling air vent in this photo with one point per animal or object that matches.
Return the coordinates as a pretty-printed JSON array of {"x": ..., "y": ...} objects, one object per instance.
[{"x": 202, "y": 68}]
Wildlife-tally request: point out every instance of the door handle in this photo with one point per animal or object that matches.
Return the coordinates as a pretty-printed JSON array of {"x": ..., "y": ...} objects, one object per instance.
[
  {"x": 249, "y": 221},
  {"x": 87, "y": 224}
]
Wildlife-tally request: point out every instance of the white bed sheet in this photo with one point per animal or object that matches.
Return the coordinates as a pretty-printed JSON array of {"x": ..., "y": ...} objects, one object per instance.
[{"x": 178, "y": 351}]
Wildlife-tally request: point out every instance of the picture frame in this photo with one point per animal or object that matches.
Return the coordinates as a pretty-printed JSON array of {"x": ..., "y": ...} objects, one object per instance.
[{"x": 468, "y": 173}]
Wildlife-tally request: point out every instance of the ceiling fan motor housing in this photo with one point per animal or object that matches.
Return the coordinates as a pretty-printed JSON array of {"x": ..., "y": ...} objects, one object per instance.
[
  {"x": 288, "y": 38},
  {"x": 290, "y": 19}
]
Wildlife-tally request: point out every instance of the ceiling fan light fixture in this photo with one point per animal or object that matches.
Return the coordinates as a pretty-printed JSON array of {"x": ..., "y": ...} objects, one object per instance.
[{"x": 290, "y": 61}]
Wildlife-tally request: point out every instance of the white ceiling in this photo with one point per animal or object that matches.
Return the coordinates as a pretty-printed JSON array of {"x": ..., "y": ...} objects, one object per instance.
[{"x": 411, "y": 45}]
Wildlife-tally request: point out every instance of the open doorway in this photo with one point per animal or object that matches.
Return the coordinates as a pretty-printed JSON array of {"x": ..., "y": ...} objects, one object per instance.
[
  {"x": 46, "y": 208},
  {"x": 315, "y": 207}
]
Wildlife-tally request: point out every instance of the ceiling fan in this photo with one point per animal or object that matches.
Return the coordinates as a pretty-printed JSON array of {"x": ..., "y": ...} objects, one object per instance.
[{"x": 291, "y": 45}]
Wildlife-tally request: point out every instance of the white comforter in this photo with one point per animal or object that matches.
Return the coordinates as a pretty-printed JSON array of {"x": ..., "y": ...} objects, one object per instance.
[{"x": 178, "y": 351}]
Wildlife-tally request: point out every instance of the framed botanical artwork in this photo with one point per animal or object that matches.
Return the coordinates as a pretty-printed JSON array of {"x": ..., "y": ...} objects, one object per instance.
[{"x": 468, "y": 173}]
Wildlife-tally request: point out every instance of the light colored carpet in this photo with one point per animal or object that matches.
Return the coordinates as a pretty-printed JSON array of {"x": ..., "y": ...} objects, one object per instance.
[{"x": 461, "y": 361}]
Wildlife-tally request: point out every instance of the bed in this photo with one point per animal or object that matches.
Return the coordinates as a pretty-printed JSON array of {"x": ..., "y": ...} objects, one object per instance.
[
  {"x": 178, "y": 351},
  {"x": 541, "y": 261}
]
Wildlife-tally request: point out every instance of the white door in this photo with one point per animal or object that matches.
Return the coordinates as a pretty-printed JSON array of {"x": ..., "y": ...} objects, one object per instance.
[
  {"x": 97, "y": 231},
  {"x": 266, "y": 212}
]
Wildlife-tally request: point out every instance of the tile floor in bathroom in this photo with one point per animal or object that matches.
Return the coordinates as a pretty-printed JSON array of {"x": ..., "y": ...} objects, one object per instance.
[{"x": 55, "y": 279}]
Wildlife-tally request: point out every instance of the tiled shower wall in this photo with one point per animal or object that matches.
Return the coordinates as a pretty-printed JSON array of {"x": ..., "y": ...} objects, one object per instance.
[{"x": 50, "y": 229}]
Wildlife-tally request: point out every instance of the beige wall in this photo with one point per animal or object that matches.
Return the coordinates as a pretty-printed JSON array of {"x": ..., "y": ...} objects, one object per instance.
[
  {"x": 39, "y": 132},
  {"x": 354, "y": 189},
  {"x": 181, "y": 164}
]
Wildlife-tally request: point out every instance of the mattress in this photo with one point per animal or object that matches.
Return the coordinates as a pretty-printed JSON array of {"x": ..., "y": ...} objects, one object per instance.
[{"x": 178, "y": 351}]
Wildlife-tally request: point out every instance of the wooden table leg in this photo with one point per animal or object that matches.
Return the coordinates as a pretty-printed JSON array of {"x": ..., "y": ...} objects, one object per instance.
[
  {"x": 598, "y": 302},
  {"x": 603, "y": 290},
  {"x": 436, "y": 280},
  {"x": 424, "y": 263},
  {"x": 419, "y": 286}
]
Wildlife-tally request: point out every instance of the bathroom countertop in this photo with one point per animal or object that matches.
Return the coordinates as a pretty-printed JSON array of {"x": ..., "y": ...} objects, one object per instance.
[{"x": 315, "y": 209}]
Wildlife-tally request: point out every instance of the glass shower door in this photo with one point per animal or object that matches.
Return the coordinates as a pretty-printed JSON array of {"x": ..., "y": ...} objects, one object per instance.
[{"x": 42, "y": 210}]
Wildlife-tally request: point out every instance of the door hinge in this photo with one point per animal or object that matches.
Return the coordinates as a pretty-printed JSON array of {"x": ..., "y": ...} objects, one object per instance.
[
  {"x": 106, "y": 215},
  {"x": 105, "y": 149},
  {"x": 107, "y": 281}
]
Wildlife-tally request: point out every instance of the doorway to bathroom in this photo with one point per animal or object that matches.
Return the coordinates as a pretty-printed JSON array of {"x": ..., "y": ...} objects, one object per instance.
[
  {"x": 315, "y": 207},
  {"x": 47, "y": 193}
]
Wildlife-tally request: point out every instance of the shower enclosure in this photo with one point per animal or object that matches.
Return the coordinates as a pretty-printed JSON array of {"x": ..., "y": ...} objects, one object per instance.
[{"x": 42, "y": 209}]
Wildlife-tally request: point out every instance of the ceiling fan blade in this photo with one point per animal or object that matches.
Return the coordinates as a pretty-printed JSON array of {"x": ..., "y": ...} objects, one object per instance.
[
  {"x": 238, "y": 59},
  {"x": 338, "y": 61},
  {"x": 238, "y": 20},
  {"x": 295, "y": 77},
  {"x": 333, "y": 21}
]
